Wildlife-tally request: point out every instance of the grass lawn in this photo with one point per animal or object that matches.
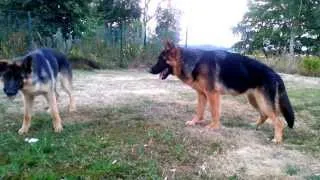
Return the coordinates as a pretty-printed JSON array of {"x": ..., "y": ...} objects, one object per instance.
[{"x": 139, "y": 136}]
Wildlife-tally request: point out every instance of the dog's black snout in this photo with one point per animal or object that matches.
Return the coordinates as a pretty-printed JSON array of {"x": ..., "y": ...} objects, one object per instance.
[
  {"x": 151, "y": 70},
  {"x": 9, "y": 92}
]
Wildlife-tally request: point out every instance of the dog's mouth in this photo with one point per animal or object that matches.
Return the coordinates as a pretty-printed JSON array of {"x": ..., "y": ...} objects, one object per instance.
[
  {"x": 164, "y": 74},
  {"x": 11, "y": 98}
]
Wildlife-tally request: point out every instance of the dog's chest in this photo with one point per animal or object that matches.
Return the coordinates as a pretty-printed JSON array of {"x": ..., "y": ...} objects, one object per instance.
[{"x": 36, "y": 88}]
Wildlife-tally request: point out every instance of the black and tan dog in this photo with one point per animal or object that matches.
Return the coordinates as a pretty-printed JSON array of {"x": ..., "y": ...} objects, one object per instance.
[
  {"x": 36, "y": 74},
  {"x": 214, "y": 73}
]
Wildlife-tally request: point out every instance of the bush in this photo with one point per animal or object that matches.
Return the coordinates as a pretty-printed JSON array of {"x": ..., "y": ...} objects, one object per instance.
[
  {"x": 14, "y": 45},
  {"x": 310, "y": 66},
  {"x": 111, "y": 56},
  {"x": 283, "y": 64}
]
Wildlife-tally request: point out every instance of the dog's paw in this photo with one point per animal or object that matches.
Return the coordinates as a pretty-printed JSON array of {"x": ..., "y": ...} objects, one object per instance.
[
  {"x": 191, "y": 123},
  {"x": 276, "y": 141},
  {"x": 23, "y": 131},
  {"x": 72, "y": 109},
  {"x": 213, "y": 126},
  {"x": 48, "y": 110},
  {"x": 58, "y": 128},
  {"x": 194, "y": 122}
]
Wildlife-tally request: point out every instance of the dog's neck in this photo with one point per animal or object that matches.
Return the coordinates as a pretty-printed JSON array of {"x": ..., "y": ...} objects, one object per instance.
[{"x": 179, "y": 70}]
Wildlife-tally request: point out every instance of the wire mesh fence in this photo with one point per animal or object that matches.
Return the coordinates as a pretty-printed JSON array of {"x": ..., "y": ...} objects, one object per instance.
[{"x": 21, "y": 31}]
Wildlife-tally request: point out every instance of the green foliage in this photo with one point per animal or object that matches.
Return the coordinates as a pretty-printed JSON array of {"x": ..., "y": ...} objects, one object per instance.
[
  {"x": 114, "y": 11},
  {"x": 310, "y": 66},
  {"x": 168, "y": 24},
  {"x": 109, "y": 32},
  {"x": 15, "y": 44},
  {"x": 48, "y": 16},
  {"x": 280, "y": 21}
]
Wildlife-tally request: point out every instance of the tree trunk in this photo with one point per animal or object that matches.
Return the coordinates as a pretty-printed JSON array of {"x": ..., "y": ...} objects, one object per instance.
[
  {"x": 291, "y": 45},
  {"x": 145, "y": 36}
]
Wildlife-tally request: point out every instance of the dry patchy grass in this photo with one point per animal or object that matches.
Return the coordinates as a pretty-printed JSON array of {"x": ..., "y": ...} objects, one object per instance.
[{"x": 130, "y": 125}]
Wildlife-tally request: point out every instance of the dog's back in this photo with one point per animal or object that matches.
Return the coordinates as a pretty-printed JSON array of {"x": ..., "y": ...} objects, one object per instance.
[{"x": 47, "y": 63}]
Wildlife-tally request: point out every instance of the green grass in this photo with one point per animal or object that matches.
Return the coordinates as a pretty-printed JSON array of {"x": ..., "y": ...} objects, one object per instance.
[
  {"x": 122, "y": 145},
  {"x": 313, "y": 177},
  {"x": 292, "y": 170},
  {"x": 122, "y": 142},
  {"x": 307, "y": 106}
]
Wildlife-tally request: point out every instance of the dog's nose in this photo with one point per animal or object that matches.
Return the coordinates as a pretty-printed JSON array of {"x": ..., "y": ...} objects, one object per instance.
[
  {"x": 9, "y": 92},
  {"x": 152, "y": 71}
]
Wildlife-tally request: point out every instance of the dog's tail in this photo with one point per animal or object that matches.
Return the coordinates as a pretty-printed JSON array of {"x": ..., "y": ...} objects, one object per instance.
[
  {"x": 64, "y": 65},
  {"x": 285, "y": 105}
]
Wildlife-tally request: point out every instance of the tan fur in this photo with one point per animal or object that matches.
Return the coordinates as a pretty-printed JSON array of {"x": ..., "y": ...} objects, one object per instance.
[
  {"x": 29, "y": 92},
  {"x": 52, "y": 101},
  {"x": 265, "y": 107},
  {"x": 202, "y": 101},
  {"x": 252, "y": 100},
  {"x": 28, "y": 103},
  {"x": 214, "y": 100},
  {"x": 67, "y": 87}
]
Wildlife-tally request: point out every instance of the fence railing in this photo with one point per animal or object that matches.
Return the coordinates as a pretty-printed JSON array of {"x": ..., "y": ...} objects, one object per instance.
[{"x": 19, "y": 34}]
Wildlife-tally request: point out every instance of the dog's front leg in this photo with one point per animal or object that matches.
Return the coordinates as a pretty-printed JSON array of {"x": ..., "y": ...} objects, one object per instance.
[
  {"x": 202, "y": 101},
  {"x": 52, "y": 101},
  {"x": 28, "y": 103},
  {"x": 214, "y": 100}
]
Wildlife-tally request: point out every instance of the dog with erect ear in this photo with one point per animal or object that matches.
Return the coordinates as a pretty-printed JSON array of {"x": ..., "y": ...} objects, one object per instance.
[
  {"x": 37, "y": 74},
  {"x": 213, "y": 73}
]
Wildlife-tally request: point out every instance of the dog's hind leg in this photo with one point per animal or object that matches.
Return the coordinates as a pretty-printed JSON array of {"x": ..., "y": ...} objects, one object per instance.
[
  {"x": 28, "y": 103},
  {"x": 47, "y": 108},
  {"x": 202, "y": 101},
  {"x": 252, "y": 100},
  {"x": 66, "y": 84},
  {"x": 270, "y": 112},
  {"x": 52, "y": 101},
  {"x": 57, "y": 94}
]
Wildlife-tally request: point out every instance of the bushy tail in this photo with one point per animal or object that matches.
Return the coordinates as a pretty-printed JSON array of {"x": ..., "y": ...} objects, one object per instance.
[{"x": 285, "y": 105}]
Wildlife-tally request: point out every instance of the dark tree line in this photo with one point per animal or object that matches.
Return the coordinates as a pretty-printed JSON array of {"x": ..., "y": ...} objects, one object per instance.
[
  {"x": 78, "y": 17},
  {"x": 288, "y": 25}
]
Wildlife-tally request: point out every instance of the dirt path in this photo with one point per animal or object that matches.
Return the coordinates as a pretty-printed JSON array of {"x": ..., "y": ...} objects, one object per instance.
[{"x": 244, "y": 151}]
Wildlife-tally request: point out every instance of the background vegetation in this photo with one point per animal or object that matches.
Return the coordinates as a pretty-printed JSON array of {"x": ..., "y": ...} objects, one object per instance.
[
  {"x": 284, "y": 31},
  {"x": 121, "y": 33},
  {"x": 113, "y": 33}
]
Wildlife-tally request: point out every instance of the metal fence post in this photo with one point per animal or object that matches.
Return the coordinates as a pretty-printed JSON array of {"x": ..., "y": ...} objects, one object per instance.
[
  {"x": 121, "y": 44},
  {"x": 29, "y": 31}
]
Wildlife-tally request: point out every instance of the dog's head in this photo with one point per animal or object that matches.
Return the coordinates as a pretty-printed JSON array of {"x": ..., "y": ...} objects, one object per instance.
[
  {"x": 165, "y": 62},
  {"x": 14, "y": 75}
]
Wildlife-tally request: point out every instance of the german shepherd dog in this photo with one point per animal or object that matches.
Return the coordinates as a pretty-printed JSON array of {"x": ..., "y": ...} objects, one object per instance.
[
  {"x": 36, "y": 74},
  {"x": 214, "y": 73}
]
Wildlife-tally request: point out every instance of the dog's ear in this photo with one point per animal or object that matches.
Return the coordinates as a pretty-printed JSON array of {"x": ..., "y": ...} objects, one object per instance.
[
  {"x": 3, "y": 66},
  {"x": 174, "y": 53},
  {"x": 168, "y": 45},
  {"x": 174, "y": 56},
  {"x": 27, "y": 64}
]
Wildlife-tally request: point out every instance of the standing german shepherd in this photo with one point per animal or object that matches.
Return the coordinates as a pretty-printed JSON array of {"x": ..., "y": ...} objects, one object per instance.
[
  {"x": 36, "y": 74},
  {"x": 213, "y": 73}
]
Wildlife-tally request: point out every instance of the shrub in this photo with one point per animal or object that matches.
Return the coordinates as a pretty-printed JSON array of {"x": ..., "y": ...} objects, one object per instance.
[
  {"x": 14, "y": 45},
  {"x": 283, "y": 64},
  {"x": 310, "y": 66}
]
